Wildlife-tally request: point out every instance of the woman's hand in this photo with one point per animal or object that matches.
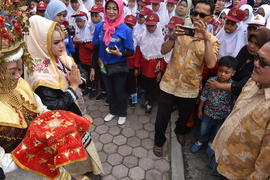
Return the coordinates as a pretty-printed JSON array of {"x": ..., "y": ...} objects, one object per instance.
[
  {"x": 115, "y": 51},
  {"x": 92, "y": 74},
  {"x": 74, "y": 77}
]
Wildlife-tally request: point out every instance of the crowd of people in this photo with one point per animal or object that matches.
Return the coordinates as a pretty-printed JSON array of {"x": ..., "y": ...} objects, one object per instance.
[{"x": 210, "y": 60}]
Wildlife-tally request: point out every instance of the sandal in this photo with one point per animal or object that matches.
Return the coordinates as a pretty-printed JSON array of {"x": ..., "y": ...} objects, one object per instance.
[
  {"x": 158, "y": 151},
  {"x": 181, "y": 139}
]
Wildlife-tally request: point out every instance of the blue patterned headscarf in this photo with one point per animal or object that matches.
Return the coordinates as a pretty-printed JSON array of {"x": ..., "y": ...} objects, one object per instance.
[{"x": 53, "y": 8}]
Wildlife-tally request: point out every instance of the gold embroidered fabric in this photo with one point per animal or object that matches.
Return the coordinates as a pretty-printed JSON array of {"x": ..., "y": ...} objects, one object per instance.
[
  {"x": 13, "y": 102},
  {"x": 242, "y": 145},
  {"x": 183, "y": 74}
]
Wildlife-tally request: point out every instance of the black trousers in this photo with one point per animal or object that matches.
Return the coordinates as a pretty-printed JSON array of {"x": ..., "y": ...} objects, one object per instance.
[
  {"x": 150, "y": 86},
  {"x": 165, "y": 106},
  {"x": 117, "y": 93}
]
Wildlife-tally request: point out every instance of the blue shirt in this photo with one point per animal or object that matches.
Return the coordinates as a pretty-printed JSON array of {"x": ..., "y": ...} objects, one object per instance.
[
  {"x": 218, "y": 103},
  {"x": 122, "y": 38}
]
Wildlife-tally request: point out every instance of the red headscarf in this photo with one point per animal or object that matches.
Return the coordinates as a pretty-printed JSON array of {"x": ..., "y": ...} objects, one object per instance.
[{"x": 110, "y": 25}]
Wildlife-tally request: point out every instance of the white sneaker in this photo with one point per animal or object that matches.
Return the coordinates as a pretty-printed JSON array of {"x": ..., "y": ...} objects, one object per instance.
[
  {"x": 122, "y": 120},
  {"x": 109, "y": 117}
]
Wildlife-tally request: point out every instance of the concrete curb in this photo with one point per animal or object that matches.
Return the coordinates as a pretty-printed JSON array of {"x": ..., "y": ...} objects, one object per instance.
[{"x": 177, "y": 161}]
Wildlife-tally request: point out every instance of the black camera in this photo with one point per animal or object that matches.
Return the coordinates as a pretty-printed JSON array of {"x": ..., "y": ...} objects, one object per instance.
[
  {"x": 112, "y": 48},
  {"x": 70, "y": 30}
]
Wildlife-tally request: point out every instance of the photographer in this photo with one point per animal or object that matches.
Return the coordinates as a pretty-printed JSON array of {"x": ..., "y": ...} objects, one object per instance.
[
  {"x": 57, "y": 11},
  {"x": 192, "y": 48}
]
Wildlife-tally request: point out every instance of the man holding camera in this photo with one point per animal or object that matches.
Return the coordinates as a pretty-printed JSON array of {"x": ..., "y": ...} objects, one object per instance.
[{"x": 192, "y": 48}]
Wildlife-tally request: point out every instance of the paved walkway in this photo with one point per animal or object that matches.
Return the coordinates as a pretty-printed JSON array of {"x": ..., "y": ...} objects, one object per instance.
[{"x": 126, "y": 151}]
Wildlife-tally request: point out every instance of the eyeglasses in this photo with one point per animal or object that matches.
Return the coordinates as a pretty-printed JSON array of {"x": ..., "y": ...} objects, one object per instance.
[
  {"x": 261, "y": 60},
  {"x": 202, "y": 15}
]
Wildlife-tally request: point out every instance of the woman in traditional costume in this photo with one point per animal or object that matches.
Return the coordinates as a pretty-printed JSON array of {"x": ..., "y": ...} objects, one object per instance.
[{"x": 55, "y": 79}]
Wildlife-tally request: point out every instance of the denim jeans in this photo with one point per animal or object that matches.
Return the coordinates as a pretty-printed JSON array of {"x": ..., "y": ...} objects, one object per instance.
[
  {"x": 209, "y": 128},
  {"x": 117, "y": 93}
]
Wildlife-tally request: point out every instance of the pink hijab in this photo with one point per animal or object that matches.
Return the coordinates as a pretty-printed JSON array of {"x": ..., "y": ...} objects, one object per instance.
[{"x": 109, "y": 26}]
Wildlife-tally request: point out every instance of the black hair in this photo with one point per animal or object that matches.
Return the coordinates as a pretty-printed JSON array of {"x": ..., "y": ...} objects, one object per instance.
[
  {"x": 228, "y": 61},
  {"x": 108, "y": 3},
  {"x": 74, "y": 1},
  {"x": 211, "y": 3}
]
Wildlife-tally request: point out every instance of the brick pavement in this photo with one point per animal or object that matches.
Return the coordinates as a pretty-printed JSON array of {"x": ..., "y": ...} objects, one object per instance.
[{"x": 126, "y": 151}]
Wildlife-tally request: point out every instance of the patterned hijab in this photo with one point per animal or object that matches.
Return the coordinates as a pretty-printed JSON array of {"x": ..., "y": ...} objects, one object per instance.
[{"x": 39, "y": 42}]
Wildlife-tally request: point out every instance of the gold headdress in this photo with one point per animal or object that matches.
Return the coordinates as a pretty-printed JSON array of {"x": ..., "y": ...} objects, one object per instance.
[{"x": 13, "y": 25}]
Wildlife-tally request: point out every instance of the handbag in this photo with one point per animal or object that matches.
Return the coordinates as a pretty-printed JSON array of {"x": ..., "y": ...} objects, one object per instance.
[{"x": 118, "y": 67}]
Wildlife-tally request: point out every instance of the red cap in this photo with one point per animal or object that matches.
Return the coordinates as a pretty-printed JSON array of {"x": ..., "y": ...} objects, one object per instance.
[
  {"x": 236, "y": 15},
  {"x": 41, "y": 6},
  {"x": 97, "y": 9},
  {"x": 131, "y": 20},
  {"x": 156, "y": 1},
  {"x": 152, "y": 19},
  {"x": 172, "y": 1},
  {"x": 175, "y": 20},
  {"x": 144, "y": 2},
  {"x": 145, "y": 11},
  {"x": 80, "y": 13}
]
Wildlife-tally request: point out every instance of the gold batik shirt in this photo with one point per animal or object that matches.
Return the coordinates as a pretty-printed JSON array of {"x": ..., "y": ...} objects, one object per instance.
[
  {"x": 183, "y": 74},
  {"x": 242, "y": 145}
]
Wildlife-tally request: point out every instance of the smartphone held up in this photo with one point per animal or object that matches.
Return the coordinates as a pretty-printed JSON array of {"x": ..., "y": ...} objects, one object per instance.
[{"x": 189, "y": 31}]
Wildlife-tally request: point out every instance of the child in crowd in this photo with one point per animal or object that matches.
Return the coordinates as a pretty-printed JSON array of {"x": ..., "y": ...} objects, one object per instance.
[
  {"x": 83, "y": 40},
  {"x": 96, "y": 17},
  {"x": 131, "y": 8},
  {"x": 74, "y": 7},
  {"x": 159, "y": 7},
  {"x": 170, "y": 5},
  {"x": 150, "y": 60},
  {"x": 145, "y": 3},
  {"x": 215, "y": 104},
  {"x": 231, "y": 36},
  {"x": 41, "y": 8},
  {"x": 33, "y": 7},
  {"x": 131, "y": 21},
  {"x": 140, "y": 27},
  {"x": 257, "y": 22}
]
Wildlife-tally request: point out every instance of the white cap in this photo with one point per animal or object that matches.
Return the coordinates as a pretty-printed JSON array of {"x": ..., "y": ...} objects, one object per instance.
[{"x": 258, "y": 20}]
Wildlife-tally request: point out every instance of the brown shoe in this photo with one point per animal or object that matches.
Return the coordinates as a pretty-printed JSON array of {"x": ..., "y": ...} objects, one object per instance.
[
  {"x": 181, "y": 139},
  {"x": 158, "y": 151}
]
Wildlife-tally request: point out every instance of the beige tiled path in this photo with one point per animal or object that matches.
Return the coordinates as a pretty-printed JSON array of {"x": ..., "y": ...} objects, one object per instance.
[{"x": 126, "y": 151}]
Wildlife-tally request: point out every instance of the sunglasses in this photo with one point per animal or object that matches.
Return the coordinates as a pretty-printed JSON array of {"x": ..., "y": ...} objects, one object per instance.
[
  {"x": 261, "y": 61},
  {"x": 202, "y": 15}
]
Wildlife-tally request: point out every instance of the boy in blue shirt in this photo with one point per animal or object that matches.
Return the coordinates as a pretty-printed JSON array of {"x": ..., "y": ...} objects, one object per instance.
[{"x": 215, "y": 104}]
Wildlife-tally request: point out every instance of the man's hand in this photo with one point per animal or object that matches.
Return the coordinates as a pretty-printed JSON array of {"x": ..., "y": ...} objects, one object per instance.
[{"x": 201, "y": 30}]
